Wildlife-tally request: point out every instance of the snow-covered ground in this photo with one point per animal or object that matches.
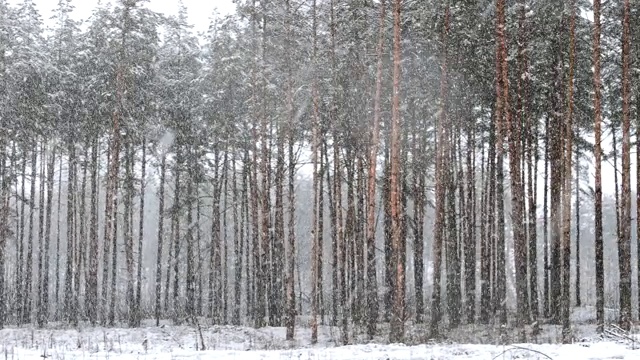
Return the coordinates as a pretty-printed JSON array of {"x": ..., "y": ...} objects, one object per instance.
[{"x": 228, "y": 342}]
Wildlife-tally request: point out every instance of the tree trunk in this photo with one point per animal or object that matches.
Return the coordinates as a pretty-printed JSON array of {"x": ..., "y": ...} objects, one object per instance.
[
  {"x": 215, "y": 298},
  {"x": 470, "y": 236},
  {"x": 26, "y": 306},
  {"x": 176, "y": 234},
  {"x": 4, "y": 217},
  {"x": 398, "y": 242},
  {"x": 566, "y": 201},
  {"x": 501, "y": 111},
  {"x": 529, "y": 240},
  {"x": 265, "y": 195},
  {"x": 451, "y": 246},
  {"x": 81, "y": 276},
  {"x": 556, "y": 154},
  {"x": 532, "y": 180},
  {"x": 20, "y": 239},
  {"x": 43, "y": 309},
  {"x": 111, "y": 210},
  {"x": 69, "y": 288},
  {"x": 159, "y": 260},
  {"x": 190, "y": 308},
  {"x": 114, "y": 257},
  {"x": 128, "y": 232},
  {"x": 223, "y": 265},
  {"x": 488, "y": 222},
  {"x": 291, "y": 249},
  {"x": 546, "y": 304},
  {"x": 441, "y": 150},
  {"x": 238, "y": 241},
  {"x": 624, "y": 242},
  {"x": 517, "y": 194},
  {"x": 317, "y": 179},
  {"x": 577, "y": 213},
  {"x": 106, "y": 243},
  {"x": 41, "y": 241},
  {"x": 143, "y": 182},
  {"x": 277, "y": 234}
]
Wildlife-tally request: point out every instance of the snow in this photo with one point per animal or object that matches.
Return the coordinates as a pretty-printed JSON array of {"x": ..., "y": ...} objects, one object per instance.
[{"x": 234, "y": 342}]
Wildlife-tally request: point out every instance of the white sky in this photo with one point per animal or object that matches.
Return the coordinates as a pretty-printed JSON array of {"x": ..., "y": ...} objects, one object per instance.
[{"x": 199, "y": 11}]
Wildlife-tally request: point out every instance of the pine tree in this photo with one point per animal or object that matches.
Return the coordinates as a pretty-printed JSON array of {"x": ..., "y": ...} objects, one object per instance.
[
  {"x": 624, "y": 240},
  {"x": 441, "y": 151},
  {"x": 398, "y": 317}
]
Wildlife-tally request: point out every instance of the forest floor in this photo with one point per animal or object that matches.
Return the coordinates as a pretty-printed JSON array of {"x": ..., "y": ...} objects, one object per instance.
[{"x": 235, "y": 342}]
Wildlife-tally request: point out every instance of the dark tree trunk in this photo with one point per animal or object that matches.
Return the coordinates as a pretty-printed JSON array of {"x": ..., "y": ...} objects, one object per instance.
[
  {"x": 470, "y": 219},
  {"x": 81, "y": 276},
  {"x": 190, "y": 308},
  {"x": 488, "y": 222},
  {"x": 451, "y": 245},
  {"x": 91, "y": 303},
  {"x": 556, "y": 154},
  {"x": 26, "y": 306},
  {"x": 624, "y": 242},
  {"x": 513, "y": 131},
  {"x": 41, "y": 241},
  {"x": 502, "y": 104},
  {"x": 143, "y": 182},
  {"x": 290, "y": 314},
  {"x": 128, "y": 233},
  {"x": 546, "y": 304},
  {"x": 69, "y": 288},
  {"x": 114, "y": 257},
  {"x": 566, "y": 200},
  {"x": 441, "y": 151},
  {"x": 4, "y": 228},
  {"x": 43, "y": 309},
  {"x": 175, "y": 225},
  {"x": 159, "y": 260},
  {"x": 238, "y": 241},
  {"x": 577, "y": 195},
  {"x": 20, "y": 239},
  {"x": 316, "y": 158}
]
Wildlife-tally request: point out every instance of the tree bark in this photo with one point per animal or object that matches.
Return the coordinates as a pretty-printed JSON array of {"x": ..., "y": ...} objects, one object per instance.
[
  {"x": 372, "y": 281},
  {"x": 502, "y": 110},
  {"x": 624, "y": 242},
  {"x": 41, "y": 242},
  {"x": 566, "y": 201},
  {"x": 291, "y": 249},
  {"x": 190, "y": 308},
  {"x": 441, "y": 150},
  {"x": 176, "y": 233},
  {"x": 143, "y": 182},
  {"x": 21, "y": 201},
  {"x": 597, "y": 107},
  {"x": 26, "y": 306},
  {"x": 4, "y": 216},
  {"x": 397, "y": 319},
  {"x": 577, "y": 214},
  {"x": 128, "y": 232},
  {"x": 69, "y": 288},
  {"x": 315, "y": 247},
  {"x": 546, "y": 304},
  {"x": 159, "y": 260},
  {"x": 517, "y": 194},
  {"x": 470, "y": 236}
]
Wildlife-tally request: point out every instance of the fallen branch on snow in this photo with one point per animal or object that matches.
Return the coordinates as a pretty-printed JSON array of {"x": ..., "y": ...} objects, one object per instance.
[{"x": 515, "y": 347}]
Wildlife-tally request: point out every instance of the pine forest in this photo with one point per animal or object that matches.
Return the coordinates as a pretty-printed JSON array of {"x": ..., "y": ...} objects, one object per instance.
[{"x": 385, "y": 168}]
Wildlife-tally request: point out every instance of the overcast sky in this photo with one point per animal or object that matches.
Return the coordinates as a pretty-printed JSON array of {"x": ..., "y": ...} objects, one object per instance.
[{"x": 199, "y": 10}]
